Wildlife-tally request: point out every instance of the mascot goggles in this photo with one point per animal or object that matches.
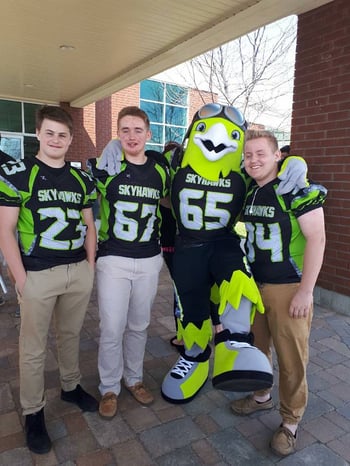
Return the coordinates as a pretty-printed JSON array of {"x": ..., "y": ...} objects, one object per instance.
[{"x": 231, "y": 113}]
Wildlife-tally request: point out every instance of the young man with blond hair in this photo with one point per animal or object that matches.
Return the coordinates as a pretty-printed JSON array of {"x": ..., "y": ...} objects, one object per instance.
[{"x": 284, "y": 246}]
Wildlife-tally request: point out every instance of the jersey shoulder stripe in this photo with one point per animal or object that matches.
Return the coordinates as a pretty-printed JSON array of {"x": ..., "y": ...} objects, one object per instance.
[{"x": 307, "y": 199}]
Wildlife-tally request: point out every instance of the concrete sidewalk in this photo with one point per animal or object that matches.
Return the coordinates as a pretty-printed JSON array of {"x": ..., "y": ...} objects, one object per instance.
[{"x": 202, "y": 432}]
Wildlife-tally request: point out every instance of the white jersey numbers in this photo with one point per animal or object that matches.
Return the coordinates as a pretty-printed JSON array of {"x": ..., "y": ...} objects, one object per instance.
[
  {"x": 207, "y": 215},
  {"x": 127, "y": 228},
  {"x": 14, "y": 167},
  {"x": 49, "y": 238},
  {"x": 256, "y": 238}
]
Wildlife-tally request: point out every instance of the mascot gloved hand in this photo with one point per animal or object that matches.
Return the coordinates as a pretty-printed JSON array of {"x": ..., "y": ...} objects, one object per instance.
[
  {"x": 208, "y": 192},
  {"x": 111, "y": 157},
  {"x": 293, "y": 175}
]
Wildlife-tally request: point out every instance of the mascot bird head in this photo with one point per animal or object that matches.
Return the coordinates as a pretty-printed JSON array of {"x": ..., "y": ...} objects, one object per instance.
[{"x": 215, "y": 140}]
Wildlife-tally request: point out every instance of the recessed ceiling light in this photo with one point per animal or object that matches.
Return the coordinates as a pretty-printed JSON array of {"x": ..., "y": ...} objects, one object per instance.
[
  {"x": 66, "y": 47},
  {"x": 28, "y": 85}
]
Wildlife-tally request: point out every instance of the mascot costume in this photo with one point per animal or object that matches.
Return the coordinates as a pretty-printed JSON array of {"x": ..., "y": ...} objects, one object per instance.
[{"x": 207, "y": 194}]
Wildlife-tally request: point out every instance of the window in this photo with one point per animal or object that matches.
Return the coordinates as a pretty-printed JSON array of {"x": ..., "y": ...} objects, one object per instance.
[
  {"x": 29, "y": 117},
  {"x": 10, "y": 116},
  {"x": 17, "y": 128},
  {"x": 11, "y": 145},
  {"x": 283, "y": 137},
  {"x": 167, "y": 107}
]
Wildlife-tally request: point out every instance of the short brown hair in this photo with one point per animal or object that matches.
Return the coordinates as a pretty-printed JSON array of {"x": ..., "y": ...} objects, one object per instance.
[
  {"x": 53, "y": 113},
  {"x": 259, "y": 133},
  {"x": 133, "y": 111}
]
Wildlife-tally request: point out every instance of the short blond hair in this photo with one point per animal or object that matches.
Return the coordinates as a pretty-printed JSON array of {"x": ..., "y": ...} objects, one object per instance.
[{"x": 251, "y": 134}]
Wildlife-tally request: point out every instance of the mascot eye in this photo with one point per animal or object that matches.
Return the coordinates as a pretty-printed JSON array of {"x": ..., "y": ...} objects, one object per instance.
[
  {"x": 201, "y": 127},
  {"x": 235, "y": 135}
]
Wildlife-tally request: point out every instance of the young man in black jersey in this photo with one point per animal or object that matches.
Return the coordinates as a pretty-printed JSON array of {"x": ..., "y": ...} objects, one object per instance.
[
  {"x": 285, "y": 245},
  {"x": 49, "y": 204},
  {"x": 129, "y": 260}
]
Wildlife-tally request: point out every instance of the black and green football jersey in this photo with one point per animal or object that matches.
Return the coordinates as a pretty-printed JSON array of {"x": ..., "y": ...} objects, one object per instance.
[
  {"x": 206, "y": 210},
  {"x": 129, "y": 208},
  {"x": 50, "y": 225},
  {"x": 275, "y": 243}
]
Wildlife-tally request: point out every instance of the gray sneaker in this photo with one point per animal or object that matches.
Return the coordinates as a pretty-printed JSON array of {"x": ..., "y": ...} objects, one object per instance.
[{"x": 18, "y": 313}]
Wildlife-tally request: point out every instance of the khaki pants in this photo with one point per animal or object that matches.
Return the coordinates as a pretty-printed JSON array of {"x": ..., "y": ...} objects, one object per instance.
[
  {"x": 290, "y": 338},
  {"x": 65, "y": 292},
  {"x": 126, "y": 288}
]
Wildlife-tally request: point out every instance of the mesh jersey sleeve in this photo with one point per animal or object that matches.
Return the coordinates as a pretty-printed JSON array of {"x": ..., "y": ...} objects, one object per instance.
[
  {"x": 12, "y": 175},
  {"x": 307, "y": 199}
]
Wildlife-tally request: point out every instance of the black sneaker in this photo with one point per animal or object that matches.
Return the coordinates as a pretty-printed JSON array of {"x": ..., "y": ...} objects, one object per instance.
[
  {"x": 82, "y": 399},
  {"x": 38, "y": 440}
]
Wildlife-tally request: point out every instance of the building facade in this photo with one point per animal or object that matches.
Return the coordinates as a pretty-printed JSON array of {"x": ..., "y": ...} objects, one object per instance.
[
  {"x": 321, "y": 134},
  {"x": 169, "y": 107},
  {"x": 320, "y": 128}
]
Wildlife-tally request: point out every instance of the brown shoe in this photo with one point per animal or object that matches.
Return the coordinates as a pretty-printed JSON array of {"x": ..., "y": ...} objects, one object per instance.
[
  {"x": 108, "y": 405},
  {"x": 141, "y": 394},
  {"x": 248, "y": 405},
  {"x": 283, "y": 442}
]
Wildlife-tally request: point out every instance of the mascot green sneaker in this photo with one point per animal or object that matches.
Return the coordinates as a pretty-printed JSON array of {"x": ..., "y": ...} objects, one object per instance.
[
  {"x": 186, "y": 378},
  {"x": 238, "y": 365}
]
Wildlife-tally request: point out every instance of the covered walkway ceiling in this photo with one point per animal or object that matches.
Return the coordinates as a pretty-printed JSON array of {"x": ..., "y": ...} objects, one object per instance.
[{"x": 79, "y": 51}]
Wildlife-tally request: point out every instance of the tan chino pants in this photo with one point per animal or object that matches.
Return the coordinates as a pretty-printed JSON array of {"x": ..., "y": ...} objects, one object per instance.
[
  {"x": 63, "y": 291},
  {"x": 290, "y": 337}
]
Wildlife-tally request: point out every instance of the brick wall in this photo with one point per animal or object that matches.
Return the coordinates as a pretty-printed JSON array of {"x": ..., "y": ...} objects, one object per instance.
[
  {"x": 96, "y": 124},
  {"x": 198, "y": 99},
  {"x": 84, "y": 139},
  {"x": 321, "y": 126},
  {"x": 107, "y": 111}
]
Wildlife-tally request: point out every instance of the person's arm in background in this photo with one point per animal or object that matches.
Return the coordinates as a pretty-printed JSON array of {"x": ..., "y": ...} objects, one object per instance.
[
  {"x": 91, "y": 236},
  {"x": 312, "y": 226},
  {"x": 165, "y": 202},
  {"x": 2, "y": 283},
  {"x": 9, "y": 245}
]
